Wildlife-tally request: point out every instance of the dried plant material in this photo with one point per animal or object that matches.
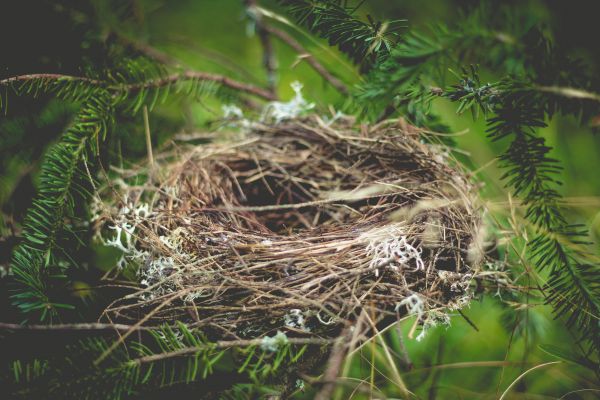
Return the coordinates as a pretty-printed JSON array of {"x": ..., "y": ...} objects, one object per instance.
[{"x": 296, "y": 229}]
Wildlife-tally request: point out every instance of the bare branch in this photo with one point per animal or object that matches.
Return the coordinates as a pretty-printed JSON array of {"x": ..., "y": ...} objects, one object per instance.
[
  {"x": 310, "y": 59},
  {"x": 71, "y": 327},
  {"x": 269, "y": 59}
]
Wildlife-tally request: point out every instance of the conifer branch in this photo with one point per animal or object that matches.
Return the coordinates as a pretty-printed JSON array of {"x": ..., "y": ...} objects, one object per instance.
[
  {"x": 364, "y": 42},
  {"x": 37, "y": 259},
  {"x": 150, "y": 84},
  {"x": 227, "y": 344}
]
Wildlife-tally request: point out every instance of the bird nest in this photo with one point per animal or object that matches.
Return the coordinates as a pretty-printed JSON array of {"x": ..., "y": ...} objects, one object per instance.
[{"x": 300, "y": 226}]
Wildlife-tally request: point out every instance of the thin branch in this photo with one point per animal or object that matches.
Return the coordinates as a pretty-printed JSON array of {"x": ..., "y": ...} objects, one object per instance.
[
  {"x": 569, "y": 92},
  {"x": 154, "y": 83},
  {"x": 269, "y": 60},
  {"x": 147, "y": 50},
  {"x": 148, "y": 139},
  {"x": 53, "y": 77},
  {"x": 225, "y": 344},
  {"x": 71, "y": 327},
  {"x": 309, "y": 58}
]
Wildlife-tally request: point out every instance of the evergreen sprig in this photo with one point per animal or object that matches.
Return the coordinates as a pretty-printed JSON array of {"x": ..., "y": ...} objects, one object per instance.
[
  {"x": 40, "y": 258},
  {"x": 170, "y": 356},
  {"x": 40, "y": 262},
  {"x": 133, "y": 84},
  {"x": 515, "y": 110},
  {"x": 363, "y": 41}
]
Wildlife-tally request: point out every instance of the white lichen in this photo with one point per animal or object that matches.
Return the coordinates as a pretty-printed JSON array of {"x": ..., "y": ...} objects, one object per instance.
[
  {"x": 389, "y": 248},
  {"x": 278, "y": 111},
  {"x": 234, "y": 117},
  {"x": 330, "y": 120},
  {"x": 274, "y": 343},
  {"x": 128, "y": 219},
  {"x": 434, "y": 318},
  {"x": 416, "y": 305}
]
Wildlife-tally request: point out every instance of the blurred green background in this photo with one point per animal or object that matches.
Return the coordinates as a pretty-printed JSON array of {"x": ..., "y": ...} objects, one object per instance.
[{"x": 214, "y": 35}]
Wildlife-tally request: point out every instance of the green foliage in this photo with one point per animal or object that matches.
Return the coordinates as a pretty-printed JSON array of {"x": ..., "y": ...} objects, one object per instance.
[
  {"x": 333, "y": 20},
  {"x": 40, "y": 257},
  {"x": 169, "y": 357},
  {"x": 132, "y": 83},
  {"x": 515, "y": 111},
  {"x": 41, "y": 262}
]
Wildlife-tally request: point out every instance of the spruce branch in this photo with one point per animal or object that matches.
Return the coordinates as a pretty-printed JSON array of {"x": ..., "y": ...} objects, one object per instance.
[
  {"x": 515, "y": 111},
  {"x": 171, "y": 355},
  {"x": 37, "y": 259},
  {"x": 515, "y": 108},
  {"x": 364, "y": 42},
  {"x": 149, "y": 84},
  {"x": 226, "y": 344}
]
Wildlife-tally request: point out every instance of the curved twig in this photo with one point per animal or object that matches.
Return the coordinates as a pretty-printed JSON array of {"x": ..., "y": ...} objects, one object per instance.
[{"x": 309, "y": 58}]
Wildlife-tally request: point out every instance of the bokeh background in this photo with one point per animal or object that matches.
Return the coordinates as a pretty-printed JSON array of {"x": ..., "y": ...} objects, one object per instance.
[{"x": 461, "y": 361}]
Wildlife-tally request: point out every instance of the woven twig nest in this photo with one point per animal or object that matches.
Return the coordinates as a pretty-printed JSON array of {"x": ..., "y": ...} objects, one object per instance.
[{"x": 298, "y": 227}]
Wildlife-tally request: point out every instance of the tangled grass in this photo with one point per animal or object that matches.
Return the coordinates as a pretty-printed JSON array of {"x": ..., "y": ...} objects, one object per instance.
[{"x": 301, "y": 226}]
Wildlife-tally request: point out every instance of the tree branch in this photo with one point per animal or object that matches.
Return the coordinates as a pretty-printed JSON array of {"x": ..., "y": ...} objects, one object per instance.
[
  {"x": 310, "y": 59},
  {"x": 71, "y": 327},
  {"x": 269, "y": 60},
  {"x": 155, "y": 83},
  {"x": 225, "y": 344}
]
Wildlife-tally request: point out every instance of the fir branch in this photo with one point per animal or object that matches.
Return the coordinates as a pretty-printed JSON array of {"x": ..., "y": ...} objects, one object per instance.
[
  {"x": 200, "y": 76},
  {"x": 51, "y": 83},
  {"x": 226, "y": 344},
  {"x": 364, "y": 42},
  {"x": 415, "y": 62},
  {"x": 37, "y": 259},
  {"x": 172, "y": 355},
  {"x": 516, "y": 110}
]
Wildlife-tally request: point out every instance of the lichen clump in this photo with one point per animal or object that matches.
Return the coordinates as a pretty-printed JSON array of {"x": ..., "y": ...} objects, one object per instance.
[{"x": 300, "y": 227}]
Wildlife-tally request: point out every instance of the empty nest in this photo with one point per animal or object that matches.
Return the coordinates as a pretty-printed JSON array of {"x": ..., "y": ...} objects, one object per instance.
[{"x": 301, "y": 227}]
